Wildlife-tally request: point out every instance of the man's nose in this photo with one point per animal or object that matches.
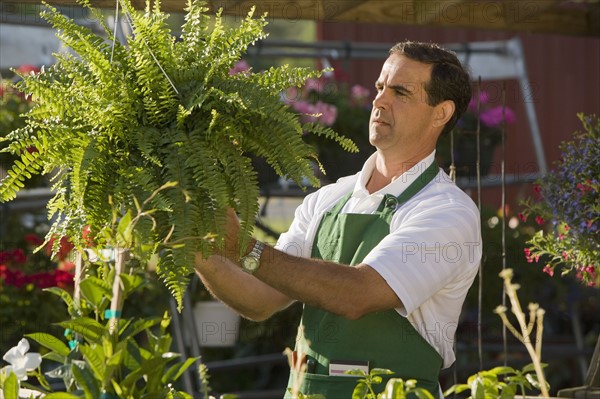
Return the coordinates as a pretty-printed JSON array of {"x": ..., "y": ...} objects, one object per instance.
[{"x": 380, "y": 100}]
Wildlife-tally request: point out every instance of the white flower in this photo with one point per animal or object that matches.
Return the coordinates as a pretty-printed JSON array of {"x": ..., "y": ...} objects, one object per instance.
[{"x": 20, "y": 361}]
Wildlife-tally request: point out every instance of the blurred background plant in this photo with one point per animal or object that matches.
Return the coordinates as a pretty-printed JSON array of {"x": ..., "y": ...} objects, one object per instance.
[
  {"x": 343, "y": 107},
  {"x": 25, "y": 306},
  {"x": 567, "y": 209},
  {"x": 14, "y": 104},
  {"x": 490, "y": 115}
]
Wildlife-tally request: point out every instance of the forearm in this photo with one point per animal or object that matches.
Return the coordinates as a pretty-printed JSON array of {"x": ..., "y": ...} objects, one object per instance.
[
  {"x": 247, "y": 295},
  {"x": 347, "y": 291}
]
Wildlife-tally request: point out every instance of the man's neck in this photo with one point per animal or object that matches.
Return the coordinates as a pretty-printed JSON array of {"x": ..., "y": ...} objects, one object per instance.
[{"x": 389, "y": 169}]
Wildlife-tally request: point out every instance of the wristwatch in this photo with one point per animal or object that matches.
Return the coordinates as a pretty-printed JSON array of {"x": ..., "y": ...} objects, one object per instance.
[{"x": 251, "y": 262}]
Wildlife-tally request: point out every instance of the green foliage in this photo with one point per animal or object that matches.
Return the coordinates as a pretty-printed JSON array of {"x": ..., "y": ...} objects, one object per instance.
[
  {"x": 158, "y": 122},
  {"x": 498, "y": 383},
  {"x": 396, "y": 388},
  {"x": 134, "y": 363}
]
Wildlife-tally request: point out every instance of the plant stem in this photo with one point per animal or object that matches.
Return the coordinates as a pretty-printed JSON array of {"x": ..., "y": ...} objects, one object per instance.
[{"x": 535, "y": 354}]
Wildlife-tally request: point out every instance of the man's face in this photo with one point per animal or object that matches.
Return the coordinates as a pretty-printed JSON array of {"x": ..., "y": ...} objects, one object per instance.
[{"x": 401, "y": 119}]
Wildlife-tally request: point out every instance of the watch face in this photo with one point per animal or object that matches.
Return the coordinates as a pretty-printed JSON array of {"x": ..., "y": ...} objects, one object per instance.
[{"x": 250, "y": 263}]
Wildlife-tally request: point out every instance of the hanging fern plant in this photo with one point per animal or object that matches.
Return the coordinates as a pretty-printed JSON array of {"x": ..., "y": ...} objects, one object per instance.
[{"x": 159, "y": 122}]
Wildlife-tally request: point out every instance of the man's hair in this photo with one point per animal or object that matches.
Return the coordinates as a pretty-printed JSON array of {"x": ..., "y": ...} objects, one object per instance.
[{"x": 449, "y": 79}]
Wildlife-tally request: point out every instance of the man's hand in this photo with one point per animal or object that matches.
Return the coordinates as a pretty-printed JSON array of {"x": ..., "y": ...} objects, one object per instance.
[{"x": 231, "y": 246}]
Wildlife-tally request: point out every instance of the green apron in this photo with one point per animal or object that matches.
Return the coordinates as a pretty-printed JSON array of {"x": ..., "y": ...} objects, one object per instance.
[{"x": 385, "y": 339}]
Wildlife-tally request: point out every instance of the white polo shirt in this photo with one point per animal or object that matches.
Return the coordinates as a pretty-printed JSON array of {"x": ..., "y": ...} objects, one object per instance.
[{"x": 431, "y": 256}]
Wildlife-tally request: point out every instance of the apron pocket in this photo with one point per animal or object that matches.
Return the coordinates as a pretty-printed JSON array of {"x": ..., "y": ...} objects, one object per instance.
[{"x": 330, "y": 386}]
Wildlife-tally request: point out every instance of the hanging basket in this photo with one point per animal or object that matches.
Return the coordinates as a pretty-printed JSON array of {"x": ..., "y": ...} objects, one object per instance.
[{"x": 464, "y": 151}]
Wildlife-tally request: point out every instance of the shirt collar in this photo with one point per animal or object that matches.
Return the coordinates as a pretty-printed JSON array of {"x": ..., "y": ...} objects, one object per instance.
[{"x": 397, "y": 186}]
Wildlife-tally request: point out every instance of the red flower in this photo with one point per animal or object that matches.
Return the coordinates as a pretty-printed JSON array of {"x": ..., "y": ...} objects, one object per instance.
[
  {"x": 63, "y": 279},
  {"x": 27, "y": 69},
  {"x": 5, "y": 257},
  {"x": 33, "y": 240},
  {"x": 64, "y": 247},
  {"x": 87, "y": 236},
  {"x": 522, "y": 217},
  {"x": 548, "y": 270},
  {"x": 539, "y": 220},
  {"x": 18, "y": 256},
  {"x": 66, "y": 266}
]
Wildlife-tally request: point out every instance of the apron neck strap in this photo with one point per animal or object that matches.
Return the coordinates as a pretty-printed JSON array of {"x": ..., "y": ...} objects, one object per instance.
[{"x": 392, "y": 202}]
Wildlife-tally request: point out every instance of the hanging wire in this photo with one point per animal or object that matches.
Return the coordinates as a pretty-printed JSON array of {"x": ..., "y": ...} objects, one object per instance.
[
  {"x": 130, "y": 21},
  {"x": 452, "y": 166},
  {"x": 480, "y": 274},
  {"x": 503, "y": 204},
  {"x": 112, "y": 50}
]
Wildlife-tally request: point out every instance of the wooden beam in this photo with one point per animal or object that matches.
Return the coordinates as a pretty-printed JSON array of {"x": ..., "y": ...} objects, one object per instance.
[{"x": 536, "y": 16}]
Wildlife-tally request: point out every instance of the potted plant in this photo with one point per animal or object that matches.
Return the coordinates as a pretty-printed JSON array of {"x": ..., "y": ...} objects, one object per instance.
[
  {"x": 150, "y": 143},
  {"x": 568, "y": 212}
]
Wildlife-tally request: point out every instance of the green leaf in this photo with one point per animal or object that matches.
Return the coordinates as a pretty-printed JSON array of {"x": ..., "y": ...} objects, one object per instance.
[
  {"x": 502, "y": 370},
  {"x": 380, "y": 371},
  {"x": 11, "y": 386},
  {"x": 89, "y": 328},
  {"x": 95, "y": 359},
  {"x": 86, "y": 381},
  {"x": 64, "y": 295},
  {"x": 124, "y": 229},
  {"x": 51, "y": 342},
  {"x": 177, "y": 370},
  {"x": 423, "y": 393},
  {"x": 360, "y": 391},
  {"x": 61, "y": 395},
  {"x": 394, "y": 389},
  {"x": 131, "y": 282},
  {"x": 92, "y": 292}
]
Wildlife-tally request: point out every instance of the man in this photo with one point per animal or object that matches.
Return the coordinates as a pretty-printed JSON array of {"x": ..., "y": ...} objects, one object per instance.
[{"x": 411, "y": 236}]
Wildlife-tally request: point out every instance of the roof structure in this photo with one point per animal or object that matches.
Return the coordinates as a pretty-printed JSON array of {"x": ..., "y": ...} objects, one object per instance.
[{"x": 566, "y": 17}]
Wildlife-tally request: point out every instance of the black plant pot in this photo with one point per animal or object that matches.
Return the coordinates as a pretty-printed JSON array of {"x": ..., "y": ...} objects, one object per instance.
[{"x": 465, "y": 154}]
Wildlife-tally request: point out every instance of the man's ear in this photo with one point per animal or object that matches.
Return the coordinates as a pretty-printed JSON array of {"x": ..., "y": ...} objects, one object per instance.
[{"x": 443, "y": 112}]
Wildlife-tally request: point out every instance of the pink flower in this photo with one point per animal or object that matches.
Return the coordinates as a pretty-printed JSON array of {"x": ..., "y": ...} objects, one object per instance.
[
  {"x": 548, "y": 270},
  {"x": 359, "y": 94},
  {"x": 327, "y": 113},
  {"x": 565, "y": 255},
  {"x": 313, "y": 85},
  {"x": 494, "y": 117},
  {"x": 483, "y": 99},
  {"x": 239, "y": 67},
  {"x": 527, "y": 252},
  {"x": 539, "y": 220}
]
